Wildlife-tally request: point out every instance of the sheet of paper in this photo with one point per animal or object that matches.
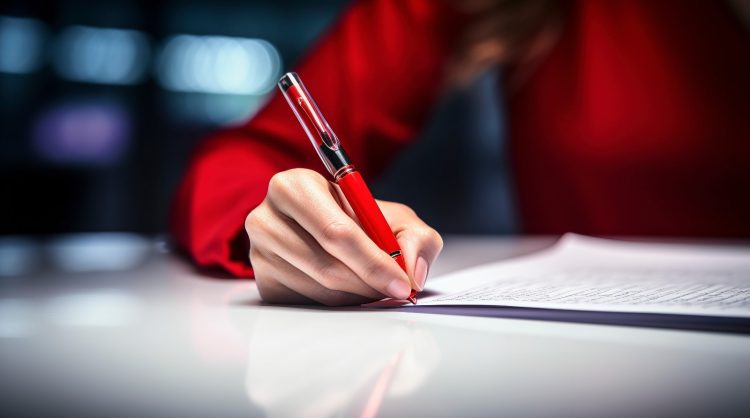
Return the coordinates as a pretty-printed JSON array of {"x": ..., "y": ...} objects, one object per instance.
[{"x": 592, "y": 274}]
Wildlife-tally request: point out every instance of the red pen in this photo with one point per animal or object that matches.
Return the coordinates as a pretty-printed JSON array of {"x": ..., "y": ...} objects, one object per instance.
[{"x": 344, "y": 173}]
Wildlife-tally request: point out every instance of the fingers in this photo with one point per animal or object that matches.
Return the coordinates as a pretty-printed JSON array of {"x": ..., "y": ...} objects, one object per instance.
[
  {"x": 309, "y": 200},
  {"x": 419, "y": 243},
  {"x": 306, "y": 247},
  {"x": 286, "y": 240},
  {"x": 280, "y": 282}
]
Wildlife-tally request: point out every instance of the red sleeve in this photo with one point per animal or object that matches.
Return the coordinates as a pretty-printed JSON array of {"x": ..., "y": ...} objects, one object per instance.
[{"x": 374, "y": 76}]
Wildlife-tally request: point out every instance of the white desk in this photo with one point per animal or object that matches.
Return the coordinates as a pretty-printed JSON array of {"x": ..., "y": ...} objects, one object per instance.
[{"x": 152, "y": 337}]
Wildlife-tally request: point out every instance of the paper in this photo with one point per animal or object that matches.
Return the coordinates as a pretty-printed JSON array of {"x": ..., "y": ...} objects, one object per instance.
[{"x": 592, "y": 274}]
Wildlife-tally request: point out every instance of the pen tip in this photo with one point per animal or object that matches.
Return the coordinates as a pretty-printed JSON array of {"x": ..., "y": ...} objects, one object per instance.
[{"x": 412, "y": 297}]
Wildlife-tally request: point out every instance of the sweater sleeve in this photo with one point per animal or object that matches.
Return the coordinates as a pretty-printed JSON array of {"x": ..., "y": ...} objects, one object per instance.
[{"x": 374, "y": 75}]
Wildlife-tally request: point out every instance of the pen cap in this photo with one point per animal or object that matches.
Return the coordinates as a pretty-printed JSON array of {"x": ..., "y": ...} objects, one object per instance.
[{"x": 324, "y": 140}]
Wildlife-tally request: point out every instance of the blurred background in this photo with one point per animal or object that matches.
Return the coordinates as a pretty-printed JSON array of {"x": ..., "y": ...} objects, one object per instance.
[{"x": 101, "y": 104}]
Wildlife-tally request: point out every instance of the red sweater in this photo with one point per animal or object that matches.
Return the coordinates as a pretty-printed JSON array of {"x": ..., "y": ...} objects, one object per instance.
[{"x": 635, "y": 123}]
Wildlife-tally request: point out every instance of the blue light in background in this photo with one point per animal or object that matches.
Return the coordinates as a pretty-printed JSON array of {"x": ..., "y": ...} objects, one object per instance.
[
  {"x": 21, "y": 45},
  {"x": 218, "y": 64},
  {"x": 214, "y": 109},
  {"x": 97, "y": 252},
  {"x": 18, "y": 256},
  {"x": 102, "y": 55}
]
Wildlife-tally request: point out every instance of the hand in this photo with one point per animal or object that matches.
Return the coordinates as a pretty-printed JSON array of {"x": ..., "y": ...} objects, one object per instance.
[{"x": 306, "y": 247}]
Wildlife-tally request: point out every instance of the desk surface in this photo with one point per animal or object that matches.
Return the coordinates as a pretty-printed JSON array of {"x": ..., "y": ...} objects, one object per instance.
[{"x": 114, "y": 325}]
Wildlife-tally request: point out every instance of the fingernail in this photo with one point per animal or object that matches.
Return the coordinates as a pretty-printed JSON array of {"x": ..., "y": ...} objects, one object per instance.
[
  {"x": 420, "y": 273},
  {"x": 398, "y": 289}
]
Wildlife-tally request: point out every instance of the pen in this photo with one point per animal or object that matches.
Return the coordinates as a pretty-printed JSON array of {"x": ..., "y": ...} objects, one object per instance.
[{"x": 344, "y": 173}]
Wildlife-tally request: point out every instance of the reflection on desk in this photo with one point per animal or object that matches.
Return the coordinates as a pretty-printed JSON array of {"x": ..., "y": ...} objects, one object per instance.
[
  {"x": 156, "y": 338},
  {"x": 340, "y": 366}
]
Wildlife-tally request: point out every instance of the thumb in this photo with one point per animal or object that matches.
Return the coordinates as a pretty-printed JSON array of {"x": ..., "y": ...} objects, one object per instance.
[{"x": 420, "y": 246}]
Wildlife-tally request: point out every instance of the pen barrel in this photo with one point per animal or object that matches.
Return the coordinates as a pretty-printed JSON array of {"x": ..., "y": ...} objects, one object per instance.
[{"x": 369, "y": 215}]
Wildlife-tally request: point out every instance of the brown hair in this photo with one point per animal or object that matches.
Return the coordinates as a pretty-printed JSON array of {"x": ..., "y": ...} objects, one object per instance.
[{"x": 502, "y": 32}]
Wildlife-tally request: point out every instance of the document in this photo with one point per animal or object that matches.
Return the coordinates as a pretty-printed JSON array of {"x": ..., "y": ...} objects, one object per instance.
[{"x": 592, "y": 274}]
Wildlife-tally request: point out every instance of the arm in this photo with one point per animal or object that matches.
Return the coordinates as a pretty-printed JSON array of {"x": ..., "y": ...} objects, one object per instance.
[{"x": 374, "y": 76}]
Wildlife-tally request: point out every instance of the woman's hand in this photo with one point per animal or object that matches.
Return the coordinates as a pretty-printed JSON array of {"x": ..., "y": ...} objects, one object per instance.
[{"x": 305, "y": 246}]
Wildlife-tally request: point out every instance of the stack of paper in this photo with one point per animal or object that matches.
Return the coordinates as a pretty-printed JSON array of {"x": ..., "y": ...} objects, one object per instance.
[{"x": 591, "y": 274}]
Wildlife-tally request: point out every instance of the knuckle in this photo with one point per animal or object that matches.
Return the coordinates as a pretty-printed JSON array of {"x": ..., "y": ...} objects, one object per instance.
[
  {"x": 303, "y": 173},
  {"x": 305, "y": 179},
  {"x": 290, "y": 185},
  {"x": 398, "y": 209},
  {"x": 251, "y": 220},
  {"x": 405, "y": 209},
  {"x": 256, "y": 225},
  {"x": 427, "y": 234},
  {"x": 281, "y": 183},
  {"x": 436, "y": 238},
  {"x": 339, "y": 231}
]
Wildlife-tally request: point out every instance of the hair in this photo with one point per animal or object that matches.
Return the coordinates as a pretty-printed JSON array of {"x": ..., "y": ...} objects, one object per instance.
[{"x": 517, "y": 32}]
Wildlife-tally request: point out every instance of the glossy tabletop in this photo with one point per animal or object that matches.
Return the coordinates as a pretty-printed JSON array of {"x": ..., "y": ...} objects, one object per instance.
[{"x": 115, "y": 325}]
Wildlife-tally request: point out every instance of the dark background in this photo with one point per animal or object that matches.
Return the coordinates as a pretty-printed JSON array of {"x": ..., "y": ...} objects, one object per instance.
[{"x": 94, "y": 136}]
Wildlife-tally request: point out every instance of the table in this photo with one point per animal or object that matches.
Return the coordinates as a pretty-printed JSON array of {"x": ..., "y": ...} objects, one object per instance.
[{"x": 117, "y": 325}]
